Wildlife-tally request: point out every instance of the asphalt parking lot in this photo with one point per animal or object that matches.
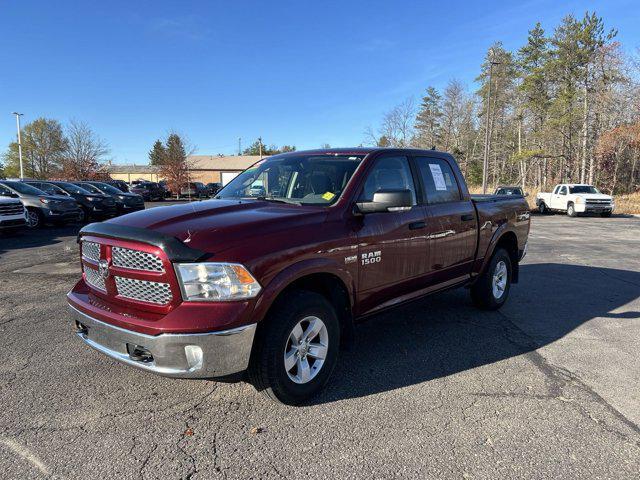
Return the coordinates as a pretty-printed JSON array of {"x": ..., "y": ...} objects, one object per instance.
[{"x": 547, "y": 387}]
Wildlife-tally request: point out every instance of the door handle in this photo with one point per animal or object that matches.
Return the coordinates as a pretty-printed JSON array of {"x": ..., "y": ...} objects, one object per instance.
[
  {"x": 467, "y": 218},
  {"x": 416, "y": 225}
]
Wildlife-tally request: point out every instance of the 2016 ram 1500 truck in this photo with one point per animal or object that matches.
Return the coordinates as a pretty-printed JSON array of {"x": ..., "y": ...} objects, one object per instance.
[{"x": 274, "y": 283}]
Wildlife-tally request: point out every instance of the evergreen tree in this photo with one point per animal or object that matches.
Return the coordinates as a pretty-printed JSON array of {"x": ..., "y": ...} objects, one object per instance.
[
  {"x": 428, "y": 119},
  {"x": 157, "y": 153}
]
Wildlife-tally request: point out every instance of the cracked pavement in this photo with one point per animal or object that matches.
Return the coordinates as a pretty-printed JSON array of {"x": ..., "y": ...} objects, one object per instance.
[{"x": 547, "y": 387}]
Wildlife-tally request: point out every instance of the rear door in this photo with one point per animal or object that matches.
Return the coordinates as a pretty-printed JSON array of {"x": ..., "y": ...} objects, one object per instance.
[
  {"x": 451, "y": 221},
  {"x": 392, "y": 248}
]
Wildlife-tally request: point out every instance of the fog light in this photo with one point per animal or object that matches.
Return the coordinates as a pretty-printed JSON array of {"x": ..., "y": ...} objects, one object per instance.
[
  {"x": 194, "y": 356},
  {"x": 139, "y": 353}
]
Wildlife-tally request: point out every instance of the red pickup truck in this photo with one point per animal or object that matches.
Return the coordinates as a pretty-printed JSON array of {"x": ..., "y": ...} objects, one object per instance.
[{"x": 271, "y": 275}]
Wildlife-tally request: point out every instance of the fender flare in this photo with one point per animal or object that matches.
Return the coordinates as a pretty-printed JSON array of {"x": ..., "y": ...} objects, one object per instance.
[
  {"x": 500, "y": 232},
  {"x": 296, "y": 271}
]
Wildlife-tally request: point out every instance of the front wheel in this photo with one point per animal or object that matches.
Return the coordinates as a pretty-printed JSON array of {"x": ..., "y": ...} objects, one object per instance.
[
  {"x": 34, "y": 218},
  {"x": 491, "y": 290},
  {"x": 296, "y": 348},
  {"x": 571, "y": 210},
  {"x": 605, "y": 214}
]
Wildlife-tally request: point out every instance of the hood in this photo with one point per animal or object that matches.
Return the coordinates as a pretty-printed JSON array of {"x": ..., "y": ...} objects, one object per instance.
[
  {"x": 215, "y": 225},
  {"x": 593, "y": 196}
]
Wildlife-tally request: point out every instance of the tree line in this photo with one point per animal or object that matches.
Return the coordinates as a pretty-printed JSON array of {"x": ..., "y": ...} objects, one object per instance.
[
  {"x": 51, "y": 150},
  {"x": 565, "y": 107}
]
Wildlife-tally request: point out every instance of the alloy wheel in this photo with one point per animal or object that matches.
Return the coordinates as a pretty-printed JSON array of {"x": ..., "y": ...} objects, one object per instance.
[
  {"x": 499, "y": 283},
  {"x": 306, "y": 350}
]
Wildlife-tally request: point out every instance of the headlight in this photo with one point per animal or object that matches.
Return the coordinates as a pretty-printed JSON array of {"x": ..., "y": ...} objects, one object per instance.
[
  {"x": 215, "y": 282},
  {"x": 93, "y": 199},
  {"x": 579, "y": 200},
  {"x": 44, "y": 200},
  {"x": 121, "y": 197}
]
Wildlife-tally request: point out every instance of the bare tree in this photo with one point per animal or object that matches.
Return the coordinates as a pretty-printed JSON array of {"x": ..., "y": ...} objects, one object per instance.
[{"x": 85, "y": 152}]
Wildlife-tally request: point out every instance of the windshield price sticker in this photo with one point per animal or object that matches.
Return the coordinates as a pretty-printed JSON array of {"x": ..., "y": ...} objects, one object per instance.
[{"x": 438, "y": 177}]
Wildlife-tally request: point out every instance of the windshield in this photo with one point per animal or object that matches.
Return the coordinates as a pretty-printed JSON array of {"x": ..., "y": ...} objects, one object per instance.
[
  {"x": 583, "y": 189},
  {"x": 72, "y": 188},
  {"x": 24, "y": 188},
  {"x": 52, "y": 189},
  {"x": 105, "y": 187},
  {"x": 87, "y": 189},
  {"x": 509, "y": 191},
  {"x": 304, "y": 180}
]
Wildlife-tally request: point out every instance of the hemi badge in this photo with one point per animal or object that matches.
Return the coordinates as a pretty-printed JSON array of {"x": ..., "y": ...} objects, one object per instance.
[{"x": 351, "y": 259}]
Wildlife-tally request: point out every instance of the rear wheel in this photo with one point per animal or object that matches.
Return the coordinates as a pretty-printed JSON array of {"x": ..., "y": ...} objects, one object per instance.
[
  {"x": 571, "y": 210},
  {"x": 542, "y": 208},
  {"x": 296, "y": 348},
  {"x": 491, "y": 290}
]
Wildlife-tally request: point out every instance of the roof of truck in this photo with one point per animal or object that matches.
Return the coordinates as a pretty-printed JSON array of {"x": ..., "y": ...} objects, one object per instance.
[{"x": 363, "y": 151}]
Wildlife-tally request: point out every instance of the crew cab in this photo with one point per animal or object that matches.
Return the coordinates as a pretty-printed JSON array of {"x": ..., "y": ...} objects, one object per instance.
[
  {"x": 573, "y": 199},
  {"x": 274, "y": 284}
]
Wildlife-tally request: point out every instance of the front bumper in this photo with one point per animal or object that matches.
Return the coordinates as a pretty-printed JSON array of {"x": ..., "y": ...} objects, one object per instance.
[
  {"x": 191, "y": 355},
  {"x": 594, "y": 208}
]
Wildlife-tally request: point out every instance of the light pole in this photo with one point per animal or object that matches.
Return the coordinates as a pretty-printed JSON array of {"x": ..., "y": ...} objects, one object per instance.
[
  {"x": 487, "y": 136},
  {"x": 18, "y": 115}
]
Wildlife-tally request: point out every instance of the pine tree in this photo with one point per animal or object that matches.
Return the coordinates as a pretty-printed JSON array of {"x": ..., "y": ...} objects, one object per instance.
[
  {"x": 157, "y": 153},
  {"x": 428, "y": 119}
]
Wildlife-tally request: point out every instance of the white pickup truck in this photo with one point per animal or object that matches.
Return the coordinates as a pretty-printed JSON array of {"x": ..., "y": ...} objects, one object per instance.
[{"x": 574, "y": 199}]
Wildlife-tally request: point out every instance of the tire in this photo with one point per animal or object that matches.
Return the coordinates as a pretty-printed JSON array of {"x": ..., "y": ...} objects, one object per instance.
[
  {"x": 605, "y": 214},
  {"x": 542, "y": 208},
  {"x": 483, "y": 293},
  {"x": 34, "y": 218},
  {"x": 571, "y": 210},
  {"x": 83, "y": 216},
  {"x": 290, "y": 319}
]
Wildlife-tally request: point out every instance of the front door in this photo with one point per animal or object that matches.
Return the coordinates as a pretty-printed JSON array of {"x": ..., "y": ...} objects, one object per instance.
[{"x": 392, "y": 248}]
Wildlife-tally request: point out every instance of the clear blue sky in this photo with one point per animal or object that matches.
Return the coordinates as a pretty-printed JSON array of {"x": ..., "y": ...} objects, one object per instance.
[{"x": 294, "y": 72}]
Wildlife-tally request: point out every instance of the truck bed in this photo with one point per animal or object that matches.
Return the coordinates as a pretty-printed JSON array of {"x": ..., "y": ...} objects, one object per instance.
[{"x": 479, "y": 197}]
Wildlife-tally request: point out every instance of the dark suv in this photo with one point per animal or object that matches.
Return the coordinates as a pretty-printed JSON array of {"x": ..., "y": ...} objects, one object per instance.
[
  {"x": 42, "y": 207},
  {"x": 193, "y": 189},
  {"x": 92, "y": 205},
  {"x": 119, "y": 184},
  {"x": 150, "y": 191},
  {"x": 125, "y": 202}
]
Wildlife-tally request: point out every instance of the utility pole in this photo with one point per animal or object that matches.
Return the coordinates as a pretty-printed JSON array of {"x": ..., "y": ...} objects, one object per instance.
[
  {"x": 239, "y": 146},
  {"x": 18, "y": 115},
  {"x": 487, "y": 136},
  {"x": 260, "y": 146}
]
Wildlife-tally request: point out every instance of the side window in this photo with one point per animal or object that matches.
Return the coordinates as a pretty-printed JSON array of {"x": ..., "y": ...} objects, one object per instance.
[
  {"x": 389, "y": 173},
  {"x": 439, "y": 181},
  {"x": 563, "y": 191},
  {"x": 557, "y": 190}
]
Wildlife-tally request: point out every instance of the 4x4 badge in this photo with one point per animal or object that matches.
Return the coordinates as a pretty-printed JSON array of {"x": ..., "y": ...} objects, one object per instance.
[{"x": 103, "y": 269}]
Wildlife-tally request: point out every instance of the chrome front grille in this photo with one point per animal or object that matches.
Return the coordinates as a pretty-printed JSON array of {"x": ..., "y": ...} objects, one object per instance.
[
  {"x": 91, "y": 251},
  {"x": 11, "y": 209},
  {"x": 143, "y": 290},
  {"x": 136, "y": 260},
  {"x": 599, "y": 202},
  {"x": 94, "y": 279}
]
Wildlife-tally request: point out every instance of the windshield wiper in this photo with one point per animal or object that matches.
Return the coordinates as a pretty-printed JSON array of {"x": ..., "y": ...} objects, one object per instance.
[{"x": 277, "y": 200}]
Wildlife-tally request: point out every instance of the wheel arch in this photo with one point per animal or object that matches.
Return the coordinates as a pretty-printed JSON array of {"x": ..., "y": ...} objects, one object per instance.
[
  {"x": 508, "y": 239},
  {"x": 318, "y": 276}
]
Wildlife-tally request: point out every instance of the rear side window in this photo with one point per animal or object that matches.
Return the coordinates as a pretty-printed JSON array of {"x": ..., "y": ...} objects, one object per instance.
[
  {"x": 389, "y": 173},
  {"x": 438, "y": 179}
]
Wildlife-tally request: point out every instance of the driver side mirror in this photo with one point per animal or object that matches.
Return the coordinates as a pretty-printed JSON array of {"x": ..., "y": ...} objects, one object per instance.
[{"x": 387, "y": 201}]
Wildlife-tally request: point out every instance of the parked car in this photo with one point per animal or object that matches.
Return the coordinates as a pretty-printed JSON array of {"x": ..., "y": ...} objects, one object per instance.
[
  {"x": 125, "y": 202},
  {"x": 275, "y": 284},
  {"x": 119, "y": 184},
  {"x": 167, "y": 191},
  {"x": 93, "y": 205},
  {"x": 13, "y": 216},
  {"x": 505, "y": 190},
  {"x": 150, "y": 191},
  {"x": 574, "y": 199},
  {"x": 41, "y": 207},
  {"x": 213, "y": 188},
  {"x": 194, "y": 190}
]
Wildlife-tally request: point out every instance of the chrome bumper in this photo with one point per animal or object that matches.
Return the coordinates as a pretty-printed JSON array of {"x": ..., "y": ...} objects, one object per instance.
[{"x": 191, "y": 355}]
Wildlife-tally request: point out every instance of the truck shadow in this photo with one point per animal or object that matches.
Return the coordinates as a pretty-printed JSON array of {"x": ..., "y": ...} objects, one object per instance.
[{"x": 445, "y": 334}]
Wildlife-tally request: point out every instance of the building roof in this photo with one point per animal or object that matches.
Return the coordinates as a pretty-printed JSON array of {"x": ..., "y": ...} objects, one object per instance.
[
  {"x": 216, "y": 162},
  {"x": 198, "y": 162}
]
